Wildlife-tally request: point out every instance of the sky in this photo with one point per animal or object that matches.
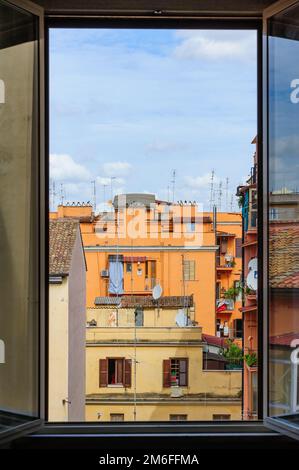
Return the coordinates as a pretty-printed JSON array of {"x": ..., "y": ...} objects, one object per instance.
[{"x": 130, "y": 106}]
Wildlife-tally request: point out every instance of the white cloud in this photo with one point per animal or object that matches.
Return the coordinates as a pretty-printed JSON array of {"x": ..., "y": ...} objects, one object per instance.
[
  {"x": 200, "y": 182},
  {"x": 64, "y": 168},
  {"x": 116, "y": 168},
  {"x": 106, "y": 181},
  {"x": 215, "y": 45}
]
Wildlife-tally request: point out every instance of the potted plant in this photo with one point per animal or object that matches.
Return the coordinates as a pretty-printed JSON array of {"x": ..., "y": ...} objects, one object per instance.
[
  {"x": 233, "y": 355},
  {"x": 251, "y": 359}
]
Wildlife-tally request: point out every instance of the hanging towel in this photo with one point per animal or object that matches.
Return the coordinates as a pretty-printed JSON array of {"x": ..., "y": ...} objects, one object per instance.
[{"x": 116, "y": 274}]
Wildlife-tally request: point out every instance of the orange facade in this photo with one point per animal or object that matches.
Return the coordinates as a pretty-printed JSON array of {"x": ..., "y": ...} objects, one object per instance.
[
  {"x": 248, "y": 198},
  {"x": 171, "y": 245}
]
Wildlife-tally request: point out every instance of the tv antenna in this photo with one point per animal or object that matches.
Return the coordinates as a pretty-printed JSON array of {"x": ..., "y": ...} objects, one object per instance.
[
  {"x": 226, "y": 193},
  {"x": 61, "y": 194},
  {"x": 219, "y": 196},
  {"x": 94, "y": 194},
  {"x": 212, "y": 190},
  {"x": 173, "y": 184}
]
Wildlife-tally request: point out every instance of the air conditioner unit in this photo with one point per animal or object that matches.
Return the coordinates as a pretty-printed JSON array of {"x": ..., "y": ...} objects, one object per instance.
[{"x": 105, "y": 273}]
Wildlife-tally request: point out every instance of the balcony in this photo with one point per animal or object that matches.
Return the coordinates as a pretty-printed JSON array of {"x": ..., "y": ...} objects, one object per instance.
[{"x": 225, "y": 262}]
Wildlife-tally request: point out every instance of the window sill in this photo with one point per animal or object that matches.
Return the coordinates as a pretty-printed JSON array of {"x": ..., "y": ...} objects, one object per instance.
[{"x": 159, "y": 435}]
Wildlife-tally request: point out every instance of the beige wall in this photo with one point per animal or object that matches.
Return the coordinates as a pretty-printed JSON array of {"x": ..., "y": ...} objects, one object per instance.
[
  {"x": 160, "y": 412},
  {"x": 153, "y": 317},
  {"x": 58, "y": 350},
  {"x": 149, "y": 370}
]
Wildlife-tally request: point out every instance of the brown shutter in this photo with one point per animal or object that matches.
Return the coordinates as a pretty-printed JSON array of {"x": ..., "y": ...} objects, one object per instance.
[
  {"x": 166, "y": 373},
  {"x": 128, "y": 373},
  {"x": 103, "y": 372},
  {"x": 183, "y": 378},
  {"x": 238, "y": 247}
]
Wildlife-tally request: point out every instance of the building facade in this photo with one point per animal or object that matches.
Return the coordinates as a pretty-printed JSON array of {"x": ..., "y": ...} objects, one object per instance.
[
  {"x": 145, "y": 363},
  {"x": 67, "y": 313},
  {"x": 248, "y": 201}
]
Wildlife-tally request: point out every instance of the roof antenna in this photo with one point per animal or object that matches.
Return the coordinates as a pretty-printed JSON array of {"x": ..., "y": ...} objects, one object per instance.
[
  {"x": 94, "y": 194},
  {"x": 226, "y": 193},
  {"x": 212, "y": 190},
  {"x": 173, "y": 184},
  {"x": 219, "y": 196},
  {"x": 61, "y": 194}
]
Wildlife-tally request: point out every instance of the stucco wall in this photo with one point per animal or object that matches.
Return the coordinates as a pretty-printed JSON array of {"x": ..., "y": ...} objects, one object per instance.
[
  {"x": 58, "y": 350},
  {"x": 77, "y": 319},
  {"x": 160, "y": 412},
  {"x": 149, "y": 370}
]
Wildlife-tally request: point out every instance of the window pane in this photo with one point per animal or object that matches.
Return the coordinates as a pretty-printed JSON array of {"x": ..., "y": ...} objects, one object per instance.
[
  {"x": 18, "y": 212},
  {"x": 146, "y": 159},
  {"x": 283, "y": 211}
]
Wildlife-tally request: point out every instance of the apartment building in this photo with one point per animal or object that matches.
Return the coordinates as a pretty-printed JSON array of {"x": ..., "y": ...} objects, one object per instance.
[
  {"x": 144, "y": 362},
  {"x": 67, "y": 313},
  {"x": 248, "y": 201},
  {"x": 143, "y": 242}
]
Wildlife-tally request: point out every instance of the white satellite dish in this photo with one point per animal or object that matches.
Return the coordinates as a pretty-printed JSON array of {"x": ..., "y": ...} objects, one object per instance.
[
  {"x": 157, "y": 292},
  {"x": 252, "y": 275},
  {"x": 181, "y": 318},
  {"x": 252, "y": 264}
]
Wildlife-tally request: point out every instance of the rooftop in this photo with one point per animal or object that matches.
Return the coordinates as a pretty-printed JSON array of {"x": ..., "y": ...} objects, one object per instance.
[
  {"x": 131, "y": 301},
  {"x": 62, "y": 234}
]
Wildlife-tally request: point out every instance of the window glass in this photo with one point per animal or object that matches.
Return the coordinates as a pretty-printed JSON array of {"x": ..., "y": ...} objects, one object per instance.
[
  {"x": 18, "y": 214},
  {"x": 145, "y": 162},
  {"x": 283, "y": 212}
]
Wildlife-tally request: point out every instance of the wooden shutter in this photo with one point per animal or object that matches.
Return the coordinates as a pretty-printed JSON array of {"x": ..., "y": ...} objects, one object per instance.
[
  {"x": 223, "y": 246},
  {"x": 128, "y": 373},
  {"x": 166, "y": 373},
  {"x": 192, "y": 270},
  {"x": 183, "y": 377},
  {"x": 103, "y": 372},
  {"x": 238, "y": 247}
]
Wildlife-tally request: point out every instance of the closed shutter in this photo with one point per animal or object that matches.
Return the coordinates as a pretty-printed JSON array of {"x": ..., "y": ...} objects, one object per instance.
[
  {"x": 128, "y": 373},
  {"x": 238, "y": 247},
  {"x": 189, "y": 270},
  {"x": 103, "y": 372},
  {"x": 166, "y": 373},
  {"x": 183, "y": 371}
]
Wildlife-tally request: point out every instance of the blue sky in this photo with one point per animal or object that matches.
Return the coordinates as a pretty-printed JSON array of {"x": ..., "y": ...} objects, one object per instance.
[{"x": 134, "y": 105}]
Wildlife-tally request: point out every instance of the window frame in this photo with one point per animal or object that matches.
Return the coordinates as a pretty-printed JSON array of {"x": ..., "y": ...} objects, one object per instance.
[
  {"x": 255, "y": 431},
  {"x": 136, "y": 21},
  {"x": 39, "y": 205}
]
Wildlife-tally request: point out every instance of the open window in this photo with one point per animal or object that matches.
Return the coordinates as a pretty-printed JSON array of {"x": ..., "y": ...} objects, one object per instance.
[
  {"x": 281, "y": 88},
  {"x": 21, "y": 254}
]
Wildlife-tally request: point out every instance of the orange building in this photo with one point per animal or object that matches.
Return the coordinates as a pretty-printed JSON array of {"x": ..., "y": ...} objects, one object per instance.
[
  {"x": 248, "y": 200},
  {"x": 143, "y": 242}
]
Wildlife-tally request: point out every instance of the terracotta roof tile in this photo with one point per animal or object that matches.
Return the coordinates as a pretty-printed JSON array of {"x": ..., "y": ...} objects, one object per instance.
[
  {"x": 132, "y": 301},
  {"x": 62, "y": 234},
  {"x": 284, "y": 256}
]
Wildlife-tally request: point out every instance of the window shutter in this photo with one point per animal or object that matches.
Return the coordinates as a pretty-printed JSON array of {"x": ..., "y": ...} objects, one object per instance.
[
  {"x": 128, "y": 373},
  {"x": 192, "y": 271},
  {"x": 238, "y": 247},
  {"x": 166, "y": 373},
  {"x": 103, "y": 372},
  {"x": 183, "y": 381}
]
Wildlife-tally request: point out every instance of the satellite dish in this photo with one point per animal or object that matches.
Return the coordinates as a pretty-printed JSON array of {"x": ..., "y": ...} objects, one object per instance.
[
  {"x": 181, "y": 318},
  {"x": 252, "y": 274},
  {"x": 252, "y": 264},
  {"x": 157, "y": 292}
]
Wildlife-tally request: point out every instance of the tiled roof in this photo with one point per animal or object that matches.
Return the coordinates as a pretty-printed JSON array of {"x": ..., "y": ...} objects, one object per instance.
[
  {"x": 284, "y": 256},
  {"x": 62, "y": 233},
  {"x": 107, "y": 301},
  {"x": 146, "y": 301}
]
